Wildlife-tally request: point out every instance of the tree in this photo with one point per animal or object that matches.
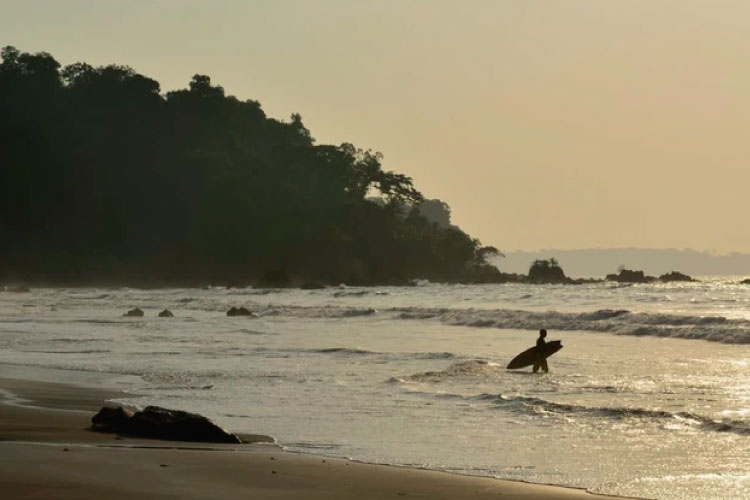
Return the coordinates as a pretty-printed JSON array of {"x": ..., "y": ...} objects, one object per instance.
[
  {"x": 484, "y": 253},
  {"x": 546, "y": 270},
  {"x": 436, "y": 212},
  {"x": 103, "y": 178}
]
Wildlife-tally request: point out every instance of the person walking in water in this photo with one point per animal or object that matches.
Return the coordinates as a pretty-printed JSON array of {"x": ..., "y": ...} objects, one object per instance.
[{"x": 541, "y": 359}]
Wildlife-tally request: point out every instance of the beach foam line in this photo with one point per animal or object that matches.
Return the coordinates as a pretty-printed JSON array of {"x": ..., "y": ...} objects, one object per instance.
[
  {"x": 714, "y": 328},
  {"x": 83, "y": 464},
  {"x": 616, "y": 321}
]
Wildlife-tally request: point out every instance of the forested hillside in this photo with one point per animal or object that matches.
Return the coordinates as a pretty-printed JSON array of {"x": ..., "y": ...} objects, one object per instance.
[{"x": 104, "y": 179}]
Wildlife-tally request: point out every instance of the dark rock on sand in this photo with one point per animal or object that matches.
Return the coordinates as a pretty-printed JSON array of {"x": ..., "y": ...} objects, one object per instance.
[
  {"x": 166, "y": 313},
  {"x": 134, "y": 313},
  {"x": 675, "y": 276},
  {"x": 240, "y": 311},
  {"x": 160, "y": 423},
  {"x": 745, "y": 282},
  {"x": 110, "y": 419}
]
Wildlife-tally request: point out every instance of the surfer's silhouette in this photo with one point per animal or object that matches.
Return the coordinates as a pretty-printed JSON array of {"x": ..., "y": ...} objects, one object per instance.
[
  {"x": 541, "y": 360},
  {"x": 537, "y": 355}
]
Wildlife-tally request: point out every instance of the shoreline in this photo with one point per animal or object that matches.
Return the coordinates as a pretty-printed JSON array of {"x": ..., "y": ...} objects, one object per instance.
[{"x": 45, "y": 451}]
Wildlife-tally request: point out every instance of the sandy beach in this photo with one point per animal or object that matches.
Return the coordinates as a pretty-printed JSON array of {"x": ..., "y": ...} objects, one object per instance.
[{"x": 46, "y": 452}]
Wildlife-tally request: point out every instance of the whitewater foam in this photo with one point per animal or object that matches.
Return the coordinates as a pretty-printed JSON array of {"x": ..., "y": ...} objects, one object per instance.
[{"x": 538, "y": 405}]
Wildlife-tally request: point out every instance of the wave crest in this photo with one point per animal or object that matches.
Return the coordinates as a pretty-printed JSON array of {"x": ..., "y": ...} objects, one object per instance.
[
  {"x": 469, "y": 368},
  {"x": 527, "y": 404},
  {"x": 617, "y": 321}
]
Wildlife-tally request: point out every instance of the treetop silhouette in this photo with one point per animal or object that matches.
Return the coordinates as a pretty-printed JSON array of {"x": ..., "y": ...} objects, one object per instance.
[{"x": 104, "y": 179}]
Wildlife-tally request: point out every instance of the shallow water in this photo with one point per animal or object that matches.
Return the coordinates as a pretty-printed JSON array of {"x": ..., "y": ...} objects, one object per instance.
[{"x": 634, "y": 404}]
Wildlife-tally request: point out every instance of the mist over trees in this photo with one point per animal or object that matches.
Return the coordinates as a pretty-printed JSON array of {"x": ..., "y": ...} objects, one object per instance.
[
  {"x": 436, "y": 211},
  {"x": 104, "y": 179}
]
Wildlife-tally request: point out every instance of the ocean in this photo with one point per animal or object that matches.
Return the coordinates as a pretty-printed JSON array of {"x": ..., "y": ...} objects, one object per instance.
[{"x": 650, "y": 396}]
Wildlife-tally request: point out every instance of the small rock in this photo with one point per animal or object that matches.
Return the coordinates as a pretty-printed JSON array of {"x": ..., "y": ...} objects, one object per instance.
[
  {"x": 675, "y": 276},
  {"x": 240, "y": 311},
  {"x": 110, "y": 419},
  {"x": 134, "y": 313},
  {"x": 166, "y": 313},
  {"x": 629, "y": 276}
]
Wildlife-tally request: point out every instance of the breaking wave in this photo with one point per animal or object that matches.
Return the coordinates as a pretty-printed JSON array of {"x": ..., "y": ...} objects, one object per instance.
[
  {"x": 469, "y": 368},
  {"x": 358, "y": 293},
  {"x": 524, "y": 404},
  {"x": 616, "y": 321},
  {"x": 350, "y": 351},
  {"x": 341, "y": 350},
  {"x": 316, "y": 312}
]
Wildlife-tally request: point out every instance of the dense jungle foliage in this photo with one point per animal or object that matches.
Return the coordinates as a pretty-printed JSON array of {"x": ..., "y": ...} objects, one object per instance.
[{"x": 104, "y": 179}]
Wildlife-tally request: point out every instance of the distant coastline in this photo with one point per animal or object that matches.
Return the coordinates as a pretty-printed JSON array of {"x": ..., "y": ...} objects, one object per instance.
[{"x": 598, "y": 262}]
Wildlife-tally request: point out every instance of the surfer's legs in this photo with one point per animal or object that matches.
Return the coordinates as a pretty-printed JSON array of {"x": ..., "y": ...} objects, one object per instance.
[{"x": 541, "y": 364}]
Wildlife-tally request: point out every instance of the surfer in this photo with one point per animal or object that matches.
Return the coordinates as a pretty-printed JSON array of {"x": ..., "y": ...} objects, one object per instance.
[
  {"x": 536, "y": 355},
  {"x": 541, "y": 360}
]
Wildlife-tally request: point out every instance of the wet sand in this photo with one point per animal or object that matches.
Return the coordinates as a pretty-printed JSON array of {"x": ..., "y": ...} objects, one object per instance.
[{"x": 46, "y": 452}]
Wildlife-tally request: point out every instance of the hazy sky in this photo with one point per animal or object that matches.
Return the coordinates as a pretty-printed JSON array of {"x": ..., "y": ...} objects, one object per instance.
[{"x": 566, "y": 124}]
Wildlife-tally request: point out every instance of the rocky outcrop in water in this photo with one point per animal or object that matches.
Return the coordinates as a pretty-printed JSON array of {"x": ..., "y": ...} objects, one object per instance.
[
  {"x": 166, "y": 313},
  {"x": 546, "y": 271},
  {"x": 240, "y": 311},
  {"x": 628, "y": 276},
  {"x": 675, "y": 276},
  {"x": 134, "y": 313},
  {"x": 155, "y": 422}
]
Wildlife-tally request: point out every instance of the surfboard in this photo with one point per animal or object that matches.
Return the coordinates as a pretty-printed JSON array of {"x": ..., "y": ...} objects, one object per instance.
[{"x": 527, "y": 357}]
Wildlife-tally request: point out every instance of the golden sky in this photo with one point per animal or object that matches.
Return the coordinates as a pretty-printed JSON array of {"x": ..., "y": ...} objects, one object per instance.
[{"x": 565, "y": 124}]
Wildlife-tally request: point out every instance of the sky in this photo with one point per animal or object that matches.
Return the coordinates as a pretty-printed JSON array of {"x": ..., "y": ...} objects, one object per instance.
[{"x": 565, "y": 124}]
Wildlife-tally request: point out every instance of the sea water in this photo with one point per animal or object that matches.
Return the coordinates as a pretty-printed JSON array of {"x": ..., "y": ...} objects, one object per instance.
[{"x": 650, "y": 396}]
